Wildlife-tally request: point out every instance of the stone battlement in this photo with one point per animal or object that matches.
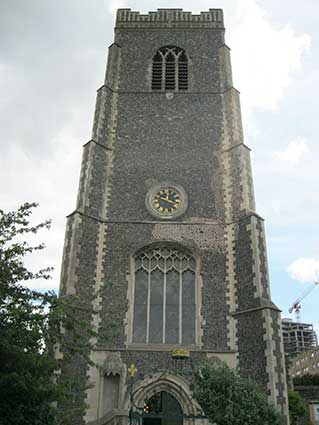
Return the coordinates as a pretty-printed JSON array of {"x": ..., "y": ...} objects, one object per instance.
[{"x": 169, "y": 18}]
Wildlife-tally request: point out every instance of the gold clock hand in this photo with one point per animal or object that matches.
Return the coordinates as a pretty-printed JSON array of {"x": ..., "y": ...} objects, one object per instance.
[{"x": 167, "y": 200}]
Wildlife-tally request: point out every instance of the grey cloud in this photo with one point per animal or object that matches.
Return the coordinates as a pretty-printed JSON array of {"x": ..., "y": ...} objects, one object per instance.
[{"x": 51, "y": 64}]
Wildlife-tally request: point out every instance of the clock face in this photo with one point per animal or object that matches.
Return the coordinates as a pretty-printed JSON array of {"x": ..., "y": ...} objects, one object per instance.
[{"x": 167, "y": 200}]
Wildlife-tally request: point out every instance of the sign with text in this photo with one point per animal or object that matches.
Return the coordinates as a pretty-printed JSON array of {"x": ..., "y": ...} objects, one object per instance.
[{"x": 315, "y": 408}]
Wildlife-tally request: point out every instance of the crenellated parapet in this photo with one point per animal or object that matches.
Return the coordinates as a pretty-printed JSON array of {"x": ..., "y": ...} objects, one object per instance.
[
  {"x": 169, "y": 18},
  {"x": 168, "y": 136}
]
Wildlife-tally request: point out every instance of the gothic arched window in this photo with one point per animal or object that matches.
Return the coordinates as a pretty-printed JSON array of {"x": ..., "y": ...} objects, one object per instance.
[
  {"x": 164, "y": 297},
  {"x": 170, "y": 69}
]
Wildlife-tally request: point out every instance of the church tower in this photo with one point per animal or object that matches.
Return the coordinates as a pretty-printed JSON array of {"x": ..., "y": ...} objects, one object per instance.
[{"x": 165, "y": 243}]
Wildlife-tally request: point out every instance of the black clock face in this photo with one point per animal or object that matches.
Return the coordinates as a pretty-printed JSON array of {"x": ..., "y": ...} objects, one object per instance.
[{"x": 166, "y": 201}]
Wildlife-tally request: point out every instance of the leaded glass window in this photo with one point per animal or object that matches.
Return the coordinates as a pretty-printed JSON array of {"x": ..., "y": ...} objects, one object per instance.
[
  {"x": 170, "y": 69},
  {"x": 164, "y": 297}
]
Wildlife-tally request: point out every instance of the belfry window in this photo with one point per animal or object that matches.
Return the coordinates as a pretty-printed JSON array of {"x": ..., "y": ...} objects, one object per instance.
[
  {"x": 170, "y": 69},
  {"x": 164, "y": 297}
]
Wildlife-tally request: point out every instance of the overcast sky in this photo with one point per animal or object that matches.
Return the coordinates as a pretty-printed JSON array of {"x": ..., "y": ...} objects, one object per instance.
[{"x": 52, "y": 60}]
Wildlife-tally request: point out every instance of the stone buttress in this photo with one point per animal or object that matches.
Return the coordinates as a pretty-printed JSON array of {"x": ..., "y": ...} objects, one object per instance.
[{"x": 192, "y": 139}]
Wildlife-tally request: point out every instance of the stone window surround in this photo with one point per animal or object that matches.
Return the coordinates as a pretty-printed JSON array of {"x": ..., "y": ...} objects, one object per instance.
[
  {"x": 161, "y": 70},
  {"x": 130, "y": 297}
]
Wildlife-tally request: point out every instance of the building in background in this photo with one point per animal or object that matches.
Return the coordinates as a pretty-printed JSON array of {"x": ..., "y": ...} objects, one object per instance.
[
  {"x": 298, "y": 337},
  {"x": 165, "y": 243}
]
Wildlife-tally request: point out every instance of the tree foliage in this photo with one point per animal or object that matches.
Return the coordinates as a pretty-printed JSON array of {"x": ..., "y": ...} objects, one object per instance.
[
  {"x": 297, "y": 407},
  {"x": 34, "y": 326},
  {"x": 229, "y": 399}
]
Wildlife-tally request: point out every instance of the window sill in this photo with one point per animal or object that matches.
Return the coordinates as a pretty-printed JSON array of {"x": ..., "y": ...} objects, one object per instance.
[{"x": 162, "y": 347}]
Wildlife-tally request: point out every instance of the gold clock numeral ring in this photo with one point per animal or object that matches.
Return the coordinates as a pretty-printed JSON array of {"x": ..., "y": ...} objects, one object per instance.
[{"x": 166, "y": 201}]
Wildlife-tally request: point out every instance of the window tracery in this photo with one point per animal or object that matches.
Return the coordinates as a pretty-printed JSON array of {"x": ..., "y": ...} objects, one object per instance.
[
  {"x": 170, "y": 69},
  {"x": 164, "y": 297}
]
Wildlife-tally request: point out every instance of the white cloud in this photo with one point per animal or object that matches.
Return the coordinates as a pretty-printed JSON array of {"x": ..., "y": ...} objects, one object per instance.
[
  {"x": 304, "y": 269},
  {"x": 49, "y": 182},
  {"x": 264, "y": 56},
  {"x": 287, "y": 183},
  {"x": 294, "y": 152},
  {"x": 43, "y": 285}
]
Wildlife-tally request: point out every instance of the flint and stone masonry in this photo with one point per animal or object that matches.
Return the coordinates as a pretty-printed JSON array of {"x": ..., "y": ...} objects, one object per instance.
[{"x": 215, "y": 302}]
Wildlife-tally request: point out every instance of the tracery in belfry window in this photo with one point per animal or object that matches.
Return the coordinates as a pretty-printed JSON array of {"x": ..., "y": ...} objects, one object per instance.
[
  {"x": 164, "y": 297},
  {"x": 170, "y": 69}
]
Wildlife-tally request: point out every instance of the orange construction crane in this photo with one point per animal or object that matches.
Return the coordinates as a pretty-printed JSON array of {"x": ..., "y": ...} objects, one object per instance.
[{"x": 296, "y": 304}]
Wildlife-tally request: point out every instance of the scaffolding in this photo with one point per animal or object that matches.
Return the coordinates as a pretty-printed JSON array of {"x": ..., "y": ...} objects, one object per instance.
[{"x": 298, "y": 337}]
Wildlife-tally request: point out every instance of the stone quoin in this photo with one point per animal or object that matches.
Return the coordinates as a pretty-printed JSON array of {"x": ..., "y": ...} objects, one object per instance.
[{"x": 165, "y": 243}]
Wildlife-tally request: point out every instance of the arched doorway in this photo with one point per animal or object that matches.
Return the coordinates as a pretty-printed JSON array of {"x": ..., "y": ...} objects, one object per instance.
[{"x": 162, "y": 409}]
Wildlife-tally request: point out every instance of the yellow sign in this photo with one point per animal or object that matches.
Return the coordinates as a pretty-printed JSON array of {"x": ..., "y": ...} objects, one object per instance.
[{"x": 180, "y": 353}]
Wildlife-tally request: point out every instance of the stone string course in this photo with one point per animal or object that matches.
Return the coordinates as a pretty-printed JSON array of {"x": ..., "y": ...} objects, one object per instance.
[{"x": 195, "y": 139}]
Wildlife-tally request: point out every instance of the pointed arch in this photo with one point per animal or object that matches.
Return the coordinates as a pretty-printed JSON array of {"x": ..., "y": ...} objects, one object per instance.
[
  {"x": 173, "y": 384},
  {"x": 164, "y": 297},
  {"x": 170, "y": 69}
]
